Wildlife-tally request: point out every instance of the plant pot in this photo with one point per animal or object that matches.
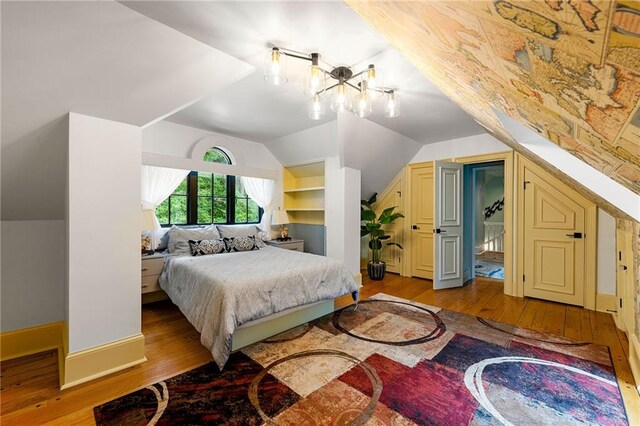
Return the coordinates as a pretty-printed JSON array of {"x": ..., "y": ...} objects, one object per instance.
[{"x": 376, "y": 270}]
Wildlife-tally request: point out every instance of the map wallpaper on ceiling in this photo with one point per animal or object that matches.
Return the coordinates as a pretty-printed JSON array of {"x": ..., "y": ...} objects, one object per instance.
[{"x": 568, "y": 69}]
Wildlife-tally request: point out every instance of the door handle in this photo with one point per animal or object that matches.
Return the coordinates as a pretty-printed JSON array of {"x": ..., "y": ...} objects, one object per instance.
[
  {"x": 575, "y": 235},
  {"x": 623, "y": 267},
  {"x": 440, "y": 231},
  {"x": 415, "y": 227}
]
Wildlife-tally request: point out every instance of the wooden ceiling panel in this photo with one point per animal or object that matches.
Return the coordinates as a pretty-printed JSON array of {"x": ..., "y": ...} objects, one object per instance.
[{"x": 569, "y": 69}]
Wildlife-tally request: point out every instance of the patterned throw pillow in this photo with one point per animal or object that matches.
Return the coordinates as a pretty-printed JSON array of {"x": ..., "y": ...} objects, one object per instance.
[
  {"x": 246, "y": 243},
  {"x": 204, "y": 247}
]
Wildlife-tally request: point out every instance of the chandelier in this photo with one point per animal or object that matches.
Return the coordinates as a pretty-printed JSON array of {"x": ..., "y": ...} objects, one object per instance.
[{"x": 349, "y": 91}]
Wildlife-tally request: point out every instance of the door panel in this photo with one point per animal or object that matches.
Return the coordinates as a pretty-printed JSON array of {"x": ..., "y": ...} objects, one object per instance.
[
  {"x": 450, "y": 186},
  {"x": 624, "y": 277},
  {"x": 448, "y": 225},
  {"x": 422, "y": 221},
  {"x": 553, "y": 257}
]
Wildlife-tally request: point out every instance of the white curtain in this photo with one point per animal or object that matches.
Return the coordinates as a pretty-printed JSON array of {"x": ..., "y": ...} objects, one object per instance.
[
  {"x": 157, "y": 184},
  {"x": 261, "y": 191}
]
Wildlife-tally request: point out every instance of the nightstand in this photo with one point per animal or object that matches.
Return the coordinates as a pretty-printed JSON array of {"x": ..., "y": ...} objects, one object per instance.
[
  {"x": 152, "y": 265},
  {"x": 297, "y": 245}
]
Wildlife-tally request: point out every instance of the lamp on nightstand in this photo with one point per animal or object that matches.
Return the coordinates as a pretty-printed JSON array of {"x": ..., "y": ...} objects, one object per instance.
[
  {"x": 147, "y": 223},
  {"x": 280, "y": 217}
]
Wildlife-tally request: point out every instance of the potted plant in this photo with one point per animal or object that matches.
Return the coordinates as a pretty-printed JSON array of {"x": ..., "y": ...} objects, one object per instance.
[{"x": 371, "y": 225}]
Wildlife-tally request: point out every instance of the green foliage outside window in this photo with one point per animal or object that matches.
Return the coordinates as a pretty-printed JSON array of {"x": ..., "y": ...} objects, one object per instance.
[{"x": 212, "y": 195}]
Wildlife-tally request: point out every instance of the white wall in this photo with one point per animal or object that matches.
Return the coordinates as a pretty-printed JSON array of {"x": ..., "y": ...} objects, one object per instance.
[
  {"x": 103, "y": 220},
  {"x": 33, "y": 273},
  {"x": 34, "y": 169},
  {"x": 315, "y": 143},
  {"x": 606, "y": 279},
  {"x": 379, "y": 153},
  {"x": 342, "y": 213},
  {"x": 178, "y": 140},
  {"x": 470, "y": 145}
]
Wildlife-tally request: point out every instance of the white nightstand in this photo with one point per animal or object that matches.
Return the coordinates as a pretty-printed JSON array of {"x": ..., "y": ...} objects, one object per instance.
[
  {"x": 151, "y": 268},
  {"x": 297, "y": 245}
]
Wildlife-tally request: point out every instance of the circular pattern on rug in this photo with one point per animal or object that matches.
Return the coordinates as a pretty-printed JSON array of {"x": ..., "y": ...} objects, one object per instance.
[
  {"x": 362, "y": 418},
  {"x": 473, "y": 379},
  {"x": 305, "y": 329},
  {"x": 438, "y": 331}
]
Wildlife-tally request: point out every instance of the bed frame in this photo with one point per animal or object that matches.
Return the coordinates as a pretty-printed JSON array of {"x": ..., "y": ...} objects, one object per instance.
[{"x": 263, "y": 328}]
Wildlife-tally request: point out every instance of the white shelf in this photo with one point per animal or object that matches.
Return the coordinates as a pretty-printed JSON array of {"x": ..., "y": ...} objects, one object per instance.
[
  {"x": 303, "y": 210},
  {"x": 310, "y": 188}
]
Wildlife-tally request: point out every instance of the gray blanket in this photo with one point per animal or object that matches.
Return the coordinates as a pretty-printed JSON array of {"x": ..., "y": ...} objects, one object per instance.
[{"x": 218, "y": 293}]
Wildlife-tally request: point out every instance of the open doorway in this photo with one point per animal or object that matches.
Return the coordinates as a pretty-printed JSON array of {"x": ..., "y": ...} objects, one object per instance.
[{"x": 484, "y": 220}]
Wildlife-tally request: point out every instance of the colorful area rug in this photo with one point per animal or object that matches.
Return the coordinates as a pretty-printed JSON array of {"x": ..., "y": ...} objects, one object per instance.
[{"x": 390, "y": 362}]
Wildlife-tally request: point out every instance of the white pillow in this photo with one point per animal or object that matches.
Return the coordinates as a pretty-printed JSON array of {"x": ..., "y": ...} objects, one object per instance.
[
  {"x": 229, "y": 231},
  {"x": 179, "y": 238}
]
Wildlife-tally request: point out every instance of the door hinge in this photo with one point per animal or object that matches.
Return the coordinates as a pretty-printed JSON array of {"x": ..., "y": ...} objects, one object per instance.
[
  {"x": 620, "y": 302},
  {"x": 523, "y": 278},
  {"x": 399, "y": 259},
  {"x": 399, "y": 193},
  {"x": 525, "y": 183}
]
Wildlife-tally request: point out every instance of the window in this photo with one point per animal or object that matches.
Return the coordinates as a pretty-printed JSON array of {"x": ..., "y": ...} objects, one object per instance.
[{"x": 204, "y": 198}]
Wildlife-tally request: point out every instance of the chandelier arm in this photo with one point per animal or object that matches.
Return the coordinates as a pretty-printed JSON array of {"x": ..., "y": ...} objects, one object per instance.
[
  {"x": 295, "y": 56},
  {"x": 329, "y": 88},
  {"x": 385, "y": 91},
  {"x": 359, "y": 74},
  {"x": 351, "y": 85}
]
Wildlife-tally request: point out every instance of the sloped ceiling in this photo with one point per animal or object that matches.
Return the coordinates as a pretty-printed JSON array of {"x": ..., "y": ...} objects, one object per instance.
[
  {"x": 568, "y": 69},
  {"x": 100, "y": 59},
  {"x": 255, "y": 110}
]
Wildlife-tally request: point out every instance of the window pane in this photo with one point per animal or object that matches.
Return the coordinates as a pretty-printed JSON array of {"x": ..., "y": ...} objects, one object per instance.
[
  {"x": 220, "y": 210},
  {"x": 241, "y": 210},
  {"x": 178, "y": 208},
  {"x": 204, "y": 210},
  {"x": 240, "y": 189},
  {"x": 254, "y": 211},
  {"x": 215, "y": 155},
  {"x": 220, "y": 185},
  {"x": 162, "y": 212},
  {"x": 182, "y": 188},
  {"x": 204, "y": 184}
]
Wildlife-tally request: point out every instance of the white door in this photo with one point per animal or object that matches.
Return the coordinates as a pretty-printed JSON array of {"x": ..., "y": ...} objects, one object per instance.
[{"x": 448, "y": 225}]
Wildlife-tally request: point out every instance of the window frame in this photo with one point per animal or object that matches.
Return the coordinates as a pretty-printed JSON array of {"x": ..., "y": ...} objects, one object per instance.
[{"x": 193, "y": 196}]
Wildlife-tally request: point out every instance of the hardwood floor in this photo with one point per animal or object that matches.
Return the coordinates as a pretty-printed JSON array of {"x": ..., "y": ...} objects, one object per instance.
[{"x": 30, "y": 394}]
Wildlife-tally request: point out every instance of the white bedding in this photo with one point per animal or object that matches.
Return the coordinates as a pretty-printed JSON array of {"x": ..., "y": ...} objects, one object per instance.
[{"x": 218, "y": 293}]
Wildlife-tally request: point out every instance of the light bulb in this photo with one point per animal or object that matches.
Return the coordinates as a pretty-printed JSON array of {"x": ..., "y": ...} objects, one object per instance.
[
  {"x": 275, "y": 69},
  {"x": 375, "y": 82},
  {"x": 316, "y": 108},
  {"x": 275, "y": 62},
  {"x": 362, "y": 106},
  {"x": 371, "y": 77},
  {"x": 392, "y": 108},
  {"x": 340, "y": 101}
]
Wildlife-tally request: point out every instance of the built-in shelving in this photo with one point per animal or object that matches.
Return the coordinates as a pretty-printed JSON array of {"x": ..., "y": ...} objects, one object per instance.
[
  {"x": 312, "y": 188},
  {"x": 303, "y": 187}
]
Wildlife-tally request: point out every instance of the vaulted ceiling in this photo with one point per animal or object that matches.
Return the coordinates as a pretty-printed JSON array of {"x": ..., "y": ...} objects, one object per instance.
[
  {"x": 254, "y": 110},
  {"x": 569, "y": 69}
]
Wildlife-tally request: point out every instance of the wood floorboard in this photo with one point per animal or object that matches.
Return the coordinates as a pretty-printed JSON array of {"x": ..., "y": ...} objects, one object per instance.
[{"x": 29, "y": 394}]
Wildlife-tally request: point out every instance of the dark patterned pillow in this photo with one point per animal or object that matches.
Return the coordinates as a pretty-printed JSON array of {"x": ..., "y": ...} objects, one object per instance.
[
  {"x": 204, "y": 247},
  {"x": 246, "y": 243}
]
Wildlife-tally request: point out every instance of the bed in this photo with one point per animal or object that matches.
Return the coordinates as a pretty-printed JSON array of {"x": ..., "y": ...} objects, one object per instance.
[{"x": 234, "y": 299}]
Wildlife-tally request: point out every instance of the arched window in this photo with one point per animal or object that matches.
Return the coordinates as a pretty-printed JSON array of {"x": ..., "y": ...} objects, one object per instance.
[{"x": 204, "y": 198}]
